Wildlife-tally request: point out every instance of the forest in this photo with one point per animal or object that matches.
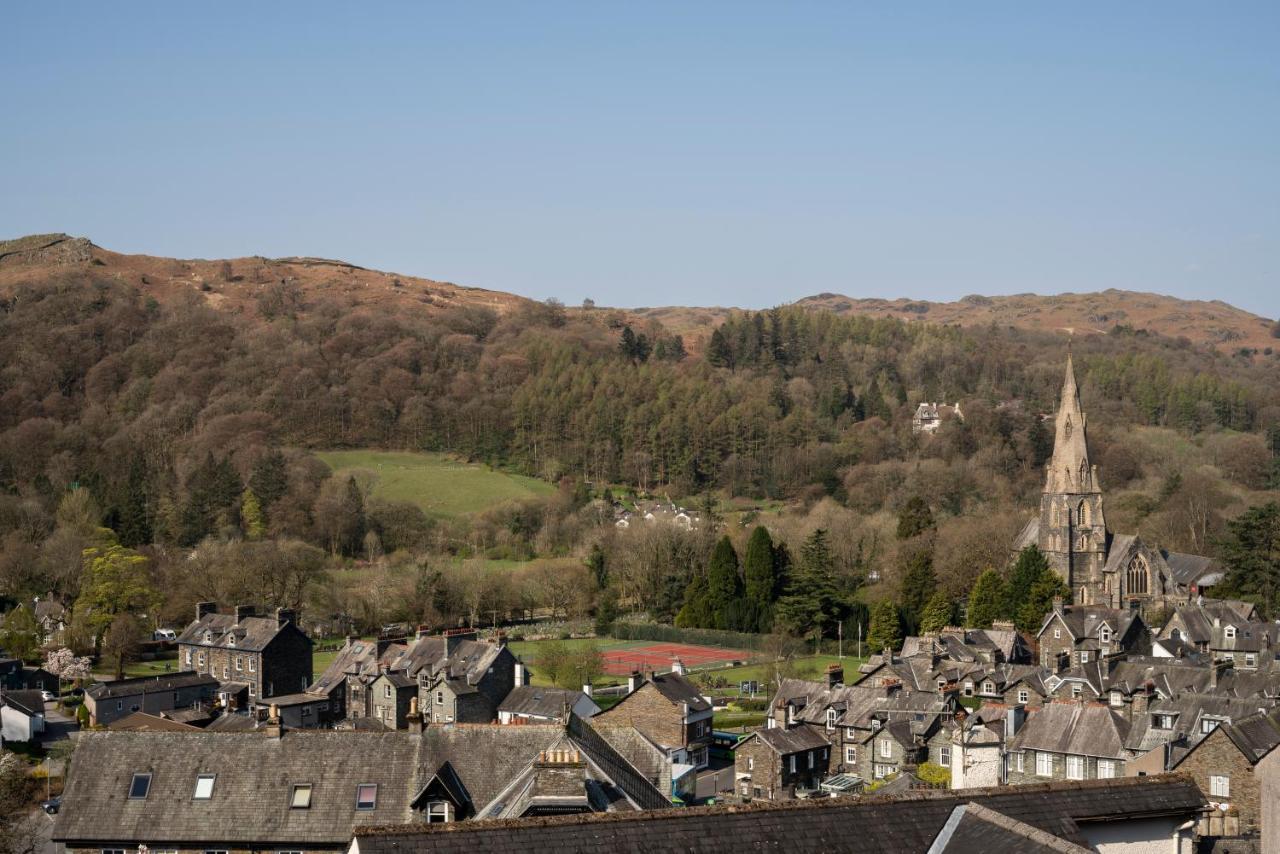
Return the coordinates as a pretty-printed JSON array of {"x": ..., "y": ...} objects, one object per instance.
[{"x": 173, "y": 444}]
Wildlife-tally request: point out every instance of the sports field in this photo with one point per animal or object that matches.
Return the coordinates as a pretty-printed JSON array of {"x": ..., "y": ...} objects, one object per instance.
[
  {"x": 441, "y": 485},
  {"x": 659, "y": 656}
]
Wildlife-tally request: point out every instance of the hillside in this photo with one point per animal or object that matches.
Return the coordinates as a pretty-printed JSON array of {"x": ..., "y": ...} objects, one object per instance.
[
  {"x": 1202, "y": 322},
  {"x": 239, "y": 283}
]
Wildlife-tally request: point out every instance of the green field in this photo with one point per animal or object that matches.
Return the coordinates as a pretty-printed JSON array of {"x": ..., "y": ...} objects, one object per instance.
[{"x": 441, "y": 485}]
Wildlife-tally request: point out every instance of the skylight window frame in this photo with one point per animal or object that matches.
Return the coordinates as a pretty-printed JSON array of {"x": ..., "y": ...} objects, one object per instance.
[
  {"x": 360, "y": 803},
  {"x": 308, "y": 790},
  {"x": 133, "y": 785},
  {"x": 208, "y": 793}
]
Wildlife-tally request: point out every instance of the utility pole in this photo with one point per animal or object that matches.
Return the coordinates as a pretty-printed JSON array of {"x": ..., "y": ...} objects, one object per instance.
[
  {"x": 840, "y": 642},
  {"x": 859, "y": 639}
]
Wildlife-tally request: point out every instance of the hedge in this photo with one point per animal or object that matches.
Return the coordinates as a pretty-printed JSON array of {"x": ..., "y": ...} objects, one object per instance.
[{"x": 671, "y": 634}]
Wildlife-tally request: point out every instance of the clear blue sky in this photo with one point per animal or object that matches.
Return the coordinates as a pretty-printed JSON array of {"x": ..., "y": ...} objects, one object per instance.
[{"x": 654, "y": 153}]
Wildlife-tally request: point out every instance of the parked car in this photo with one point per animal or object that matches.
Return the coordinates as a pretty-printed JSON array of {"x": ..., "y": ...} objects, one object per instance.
[
  {"x": 52, "y": 805},
  {"x": 48, "y": 696}
]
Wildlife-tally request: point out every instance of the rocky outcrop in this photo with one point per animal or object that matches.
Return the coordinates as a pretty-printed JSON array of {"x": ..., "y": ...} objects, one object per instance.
[{"x": 45, "y": 249}]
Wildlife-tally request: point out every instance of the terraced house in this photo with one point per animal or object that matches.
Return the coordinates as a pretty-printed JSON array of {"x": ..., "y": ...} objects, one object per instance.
[
  {"x": 1069, "y": 741},
  {"x": 264, "y": 655}
]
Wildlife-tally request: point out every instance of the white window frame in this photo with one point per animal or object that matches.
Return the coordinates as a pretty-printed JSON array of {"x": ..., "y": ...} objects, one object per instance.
[
  {"x": 988, "y": 687},
  {"x": 1044, "y": 764},
  {"x": 1230, "y": 632},
  {"x": 793, "y": 763},
  {"x": 944, "y": 756},
  {"x": 204, "y": 787},
  {"x": 1077, "y": 767},
  {"x": 1024, "y": 696},
  {"x": 1117, "y": 698},
  {"x": 886, "y": 749},
  {"x": 1219, "y": 786},
  {"x": 1057, "y": 634},
  {"x": 812, "y": 761},
  {"x": 1250, "y": 660},
  {"x": 239, "y": 663},
  {"x": 831, "y": 720},
  {"x": 1106, "y": 769},
  {"x": 437, "y": 812},
  {"x": 253, "y": 664},
  {"x": 850, "y": 755}
]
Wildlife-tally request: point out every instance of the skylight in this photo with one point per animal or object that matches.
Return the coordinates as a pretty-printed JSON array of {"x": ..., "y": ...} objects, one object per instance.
[
  {"x": 204, "y": 787},
  {"x": 366, "y": 796},
  {"x": 301, "y": 797},
  {"x": 139, "y": 787}
]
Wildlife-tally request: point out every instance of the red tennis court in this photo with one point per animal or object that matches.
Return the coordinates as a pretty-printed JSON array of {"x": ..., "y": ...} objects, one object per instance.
[{"x": 658, "y": 657}]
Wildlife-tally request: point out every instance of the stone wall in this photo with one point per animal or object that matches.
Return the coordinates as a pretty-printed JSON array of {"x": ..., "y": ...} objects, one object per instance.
[{"x": 1217, "y": 755}]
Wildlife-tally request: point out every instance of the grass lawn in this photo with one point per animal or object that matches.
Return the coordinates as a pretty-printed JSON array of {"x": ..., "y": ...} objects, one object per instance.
[
  {"x": 441, "y": 485},
  {"x": 810, "y": 667},
  {"x": 527, "y": 651},
  {"x": 733, "y": 720}
]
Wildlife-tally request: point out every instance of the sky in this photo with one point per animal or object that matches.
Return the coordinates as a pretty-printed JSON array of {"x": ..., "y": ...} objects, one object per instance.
[{"x": 658, "y": 153}]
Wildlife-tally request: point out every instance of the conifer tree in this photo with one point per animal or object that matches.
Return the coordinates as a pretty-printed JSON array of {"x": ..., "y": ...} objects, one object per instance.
[
  {"x": 135, "y": 516},
  {"x": 918, "y": 584},
  {"x": 812, "y": 602},
  {"x": 885, "y": 631},
  {"x": 695, "y": 613},
  {"x": 1027, "y": 570},
  {"x": 724, "y": 586},
  {"x": 986, "y": 600},
  {"x": 718, "y": 352},
  {"x": 251, "y": 519},
  {"x": 759, "y": 569},
  {"x": 914, "y": 518},
  {"x": 938, "y": 613}
]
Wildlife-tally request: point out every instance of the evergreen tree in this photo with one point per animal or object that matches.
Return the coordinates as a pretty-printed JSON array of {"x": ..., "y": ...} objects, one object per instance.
[
  {"x": 759, "y": 566},
  {"x": 1251, "y": 551},
  {"x": 353, "y": 512},
  {"x": 938, "y": 613},
  {"x": 1039, "y": 602},
  {"x": 135, "y": 516},
  {"x": 718, "y": 352},
  {"x": 914, "y": 518},
  {"x": 695, "y": 613},
  {"x": 812, "y": 603},
  {"x": 270, "y": 479},
  {"x": 876, "y": 407},
  {"x": 599, "y": 569},
  {"x": 1027, "y": 570},
  {"x": 918, "y": 584},
  {"x": 255, "y": 526},
  {"x": 724, "y": 586},
  {"x": 885, "y": 631},
  {"x": 986, "y": 600}
]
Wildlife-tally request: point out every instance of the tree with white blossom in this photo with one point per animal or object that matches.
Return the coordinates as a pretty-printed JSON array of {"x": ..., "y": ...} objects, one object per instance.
[{"x": 67, "y": 666}]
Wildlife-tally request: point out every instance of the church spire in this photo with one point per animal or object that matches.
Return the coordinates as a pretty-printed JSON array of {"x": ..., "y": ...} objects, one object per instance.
[{"x": 1069, "y": 470}]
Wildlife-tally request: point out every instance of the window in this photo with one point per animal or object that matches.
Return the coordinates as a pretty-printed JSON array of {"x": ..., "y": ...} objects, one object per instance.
[
  {"x": 1024, "y": 696},
  {"x": 139, "y": 787},
  {"x": 1106, "y": 769},
  {"x": 188, "y": 656},
  {"x": 1019, "y": 762},
  {"x": 882, "y": 771},
  {"x": 944, "y": 757},
  {"x": 851, "y": 756},
  {"x": 366, "y": 796},
  {"x": 204, "y": 787},
  {"x": 1230, "y": 632},
  {"x": 850, "y": 733},
  {"x": 386, "y": 690},
  {"x": 875, "y": 724},
  {"x": 253, "y": 664},
  {"x": 239, "y": 663},
  {"x": 439, "y": 698},
  {"x": 1219, "y": 786},
  {"x": 119, "y": 705},
  {"x": 300, "y": 797},
  {"x": 886, "y": 749},
  {"x": 1250, "y": 660},
  {"x": 1117, "y": 699},
  {"x": 200, "y": 659},
  {"x": 793, "y": 763},
  {"x": 1105, "y": 635},
  {"x": 1208, "y": 725},
  {"x": 1162, "y": 721},
  {"x": 751, "y": 763},
  {"x": 811, "y": 762},
  {"x": 968, "y": 689},
  {"x": 1137, "y": 576},
  {"x": 437, "y": 812},
  {"x": 988, "y": 687},
  {"x": 226, "y": 672},
  {"x": 1057, "y": 634},
  {"x": 112, "y": 851},
  {"x": 1075, "y": 767},
  {"x": 831, "y": 719},
  {"x": 1084, "y": 656},
  {"x": 1044, "y": 764},
  {"x": 1076, "y": 690}
]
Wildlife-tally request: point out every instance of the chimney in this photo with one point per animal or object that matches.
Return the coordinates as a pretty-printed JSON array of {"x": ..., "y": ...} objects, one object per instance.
[
  {"x": 677, "y": 667},
  {"x": 1013, "y": 721},
  {"x": 1142, "y": 700},
  {"x": 587, "y": 688},
  {"x": 634, "y": 681},
  {"x": 502, "y": 640},
  {"x": 243, "y": 611},
  {"x": 454, "y": 637},
  {"x": 835, "y": 675},
  {"x": 273, "y": 728},
  {"x": 423, "y": 631},
  {"x": 519, "y": 674},
  {"x": 285, "y": 615},
  {"x": 1219, "y": 667},
  {"x": 203, "y": 608},
  {"x": 414, "y": 718},
  {"x": 351, "y": 639},
  {"x": 1057, "y": 605}
]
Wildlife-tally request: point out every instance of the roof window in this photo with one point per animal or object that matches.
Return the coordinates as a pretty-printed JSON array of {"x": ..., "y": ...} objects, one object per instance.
[
  {"x": 366, "y": 796},
  {"x": 300, "y": 799},
  {"x": 139, "y": 787},
  {"x": 204, "y": 787}
]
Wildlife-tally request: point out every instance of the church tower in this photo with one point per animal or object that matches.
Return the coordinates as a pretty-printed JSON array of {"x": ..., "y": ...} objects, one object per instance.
[{"x": 1073, "y": 531}]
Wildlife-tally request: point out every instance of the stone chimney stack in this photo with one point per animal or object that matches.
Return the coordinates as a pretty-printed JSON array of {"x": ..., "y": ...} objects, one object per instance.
[
  {"x": 677, "y": 667},
  {"x": 1057, "y": 605},
  {"x": 414, "y": 719},
  {"x": 273, "y": 728},
  {"x": 243, "y": 611},
  {"x": 203, "y": 608},
  {"x": 286, "y": 615},
  {"x": 835, "y": 675},
  {"x": 634, "y": 681},
  {"x": 587, "y": 688},
  {"x": 519, "y": 674}
]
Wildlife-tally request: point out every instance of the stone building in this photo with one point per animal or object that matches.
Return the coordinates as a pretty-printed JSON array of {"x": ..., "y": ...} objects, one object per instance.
[
  {"x": 1100, "y": 567},
  {"x": 268, "y": 655},
  {"x": 773, "y": 764},
  {"x": 1069, "y": 741},
  {"x": 107, "y": 702},
  {"x": 1075, "y": 635},
  {"x": 669, "y": 710},
  {"x": 1223, "y": 765}
]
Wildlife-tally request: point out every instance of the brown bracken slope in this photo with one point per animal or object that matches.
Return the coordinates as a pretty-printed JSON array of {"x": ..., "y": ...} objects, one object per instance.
[{"x": 239, "y": 284}]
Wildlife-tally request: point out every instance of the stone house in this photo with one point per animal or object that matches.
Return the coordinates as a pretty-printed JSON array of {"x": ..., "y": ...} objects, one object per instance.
[
  {"x": 774, "y": 764},
  {"x": 347, "y": 682},
  {"x": 541, "y": 704},
  {"x": 460, "y": 679},
  {"x": 268, "y": 655},
  {"x": 1223, "y": 765},
  {"x": 1194, "y": 622},
  {"x": 1069, "y": 741},
  {"x": 107, "y": 702},
  {"x": 670, "y": 711},
  {"x": 928, "y": 417},
  {"x": 302, "y": 710},
  {"x": 391, "y": 695},
  {"x": 1078, "y": 634}
]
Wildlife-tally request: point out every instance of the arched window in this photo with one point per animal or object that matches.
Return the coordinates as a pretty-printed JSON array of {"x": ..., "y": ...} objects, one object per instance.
[
  {"x": 1137, "y": 583},
  {"x": 1068, "y": 427},
  {"x": 1084, "y": 473},
  {"x": 1082, "y": 514}
]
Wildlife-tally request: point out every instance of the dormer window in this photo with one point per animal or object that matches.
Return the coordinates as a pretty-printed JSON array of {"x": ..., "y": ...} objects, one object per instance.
[
  {"x": 1162, "y": 721},
  {"x": 1229, "y": 633},
  {"x": 208, "y": 637},
  {"x": 831, "y": 719},
  {"x": 231, "y": 640},
  {"x": 988, "y": 687},
  {"x": 1117, "y": 698},
  {"x": 875, "y": 724},
  {"x": 1105, "y": 635},
  {"x": 437, "y": 812}
]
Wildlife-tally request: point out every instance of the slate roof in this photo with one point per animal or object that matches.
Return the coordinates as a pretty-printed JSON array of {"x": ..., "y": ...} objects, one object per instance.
[
  {"x": 678, "y": 689},
  {"x": 973, "y": 828},
  {"x": 1085, "y": 621},
  {"x": 1255, "y": 736},
  {"x": 1197, "y": 618},
  {"x": 252, "y": 634},
  {"x": 150, "y": 685},
  {"x": 792, "y": 739},
  {"x": 27, "y": 701},
  {"x": 1188, "y": 569},
  {"x": 905, "y": 823},
  {"x": 255, "y": 773},
  {"x": 1081, "y": 729},
  {"x": 539, "y": 701},
  {"x": 143, "y": 722}
]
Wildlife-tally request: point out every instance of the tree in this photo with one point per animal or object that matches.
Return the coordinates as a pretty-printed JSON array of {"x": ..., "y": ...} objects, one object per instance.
[
  {"x": 20, "y": 825},
  {"x": 885, "y": 631},
  {"x": 115, "y": 582},
  {"x": 1040, "y": 600},
  {"x": 938, "y": 613},
  {"x": 986, "y": 600},
  {"x": 598, "y": 565},
  {"x": 584, "y": 665},
  {"x": 718, "y": 353},
  {"x": 1027, "y": 570},
  {"x": 553, "y": 660},
  {"x": 21, "y": 635},
  {"x": 135, "y": 515},
  {"x": 251, "y": 518},
  {"x": 696, "y": 611},
  {"x": 270, "y": 479},
  {"x": 121, "y": 641},
  {"x": 1251, "y": 551},
  {"x": 724, "y": 586},
  {"x": 812, "y": 603},
  {"x": 68, "y": 666},
  {"x": 914, "y": 518},
  {"x": 760, "y": 571},
  {"x": 918, "y": 584}
]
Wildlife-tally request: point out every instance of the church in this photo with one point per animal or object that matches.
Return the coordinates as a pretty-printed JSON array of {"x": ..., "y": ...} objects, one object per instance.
[{"x": 1099, "y": 566}]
